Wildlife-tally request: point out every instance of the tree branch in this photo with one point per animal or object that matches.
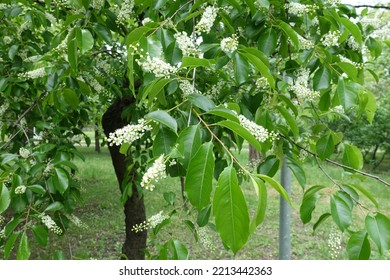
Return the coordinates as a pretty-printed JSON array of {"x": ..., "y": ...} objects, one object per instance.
[
  {"x": 372, "y": 6},
  {"x": 337, "y": 163}
]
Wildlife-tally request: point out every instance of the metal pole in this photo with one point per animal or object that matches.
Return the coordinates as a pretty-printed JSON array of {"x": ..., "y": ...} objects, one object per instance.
[{"x": 285, "y": 214}]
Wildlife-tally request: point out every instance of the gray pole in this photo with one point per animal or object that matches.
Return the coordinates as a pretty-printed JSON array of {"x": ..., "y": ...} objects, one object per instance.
[{"x": 285, "y": 214}]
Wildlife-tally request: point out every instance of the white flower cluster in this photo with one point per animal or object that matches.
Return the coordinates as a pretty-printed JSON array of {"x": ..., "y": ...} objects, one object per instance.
[
  {"x": 2, "y": 233},
  {"x": 128, "y": 133},
  {"x": 24, "y": 153},
  {"x": 3, "y": 108},
  {"x": 262, "y": 83},
  {"x": 303, "y": 155},
  {"x": 215, "y": 89},
  {"x": 300, "y": 9},
  {"x": 105, "y": 66},
  {"x": 301, "y": 87},
  {"x": 7, "y": 40},
  {"x": 51, "y": 18},
  {"x": 33, "y": 74},
  {"x": 2, "y": 219},
  {"x": 157, "y": 219},
  {"x": 50, "y": 224},
  {"x": 76, "y": 221},
  {"x": 229, "y": 44},
  {"x": 188, "y": 45},
  {"x": 334, "y": 244},
  {"x": 205, "y": 239},
  {"x": 207, "y": 20},
  {"x": 347, "y": 60},
  {"x": 305, "y": 44},
  {"x": 97, "y": 4},
  {"x": 338, "y": 109},
  {"x": 48, "y": 169},
  {"x": 152, "y": 222},
  {"x": 146, "y": 21},
  {"x": 332, "y": 3},
  {"x": 125, "y": 11},
  {"x": 157, "y": 66},
  {"x": 94, "y": 84},
  {"x": 187, "y": 88},
  {"x": 33, "y": 58},
  {"x": 351, "y": 42},
  {"x": 259, "y": 132},
  {"x": 20, "y": 189},
  {"x": 154, "y": 174},
  {"x": 331, "y": 39}
]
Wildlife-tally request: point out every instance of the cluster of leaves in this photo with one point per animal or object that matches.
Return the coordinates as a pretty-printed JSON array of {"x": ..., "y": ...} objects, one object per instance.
[{"x": 84, "y": 54}]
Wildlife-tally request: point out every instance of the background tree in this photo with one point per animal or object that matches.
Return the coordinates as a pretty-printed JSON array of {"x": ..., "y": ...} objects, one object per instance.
[{"x": 192, "y": 80}]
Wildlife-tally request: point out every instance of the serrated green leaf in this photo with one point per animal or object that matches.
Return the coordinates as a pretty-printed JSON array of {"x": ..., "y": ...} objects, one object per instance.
[
  {"x": 163, "y": 118},
  {"x": 358, "y": 246},
  {"x": 230, "y": 211},
  {"x": 163, "y": 142},
  {"x": 353, "y": 157},
  {"x": 24, "y": 248},
  {"x": 201, "y": 101},
  {"x": 341, "y": 212},
  {"x": 378, "y": 228},
  {"x": 199, "y": 179},
  {"x": 325, "y": 146}
]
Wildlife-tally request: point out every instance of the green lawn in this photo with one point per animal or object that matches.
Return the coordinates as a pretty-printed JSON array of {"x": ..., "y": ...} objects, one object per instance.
[{"x": 103, "y": 214}]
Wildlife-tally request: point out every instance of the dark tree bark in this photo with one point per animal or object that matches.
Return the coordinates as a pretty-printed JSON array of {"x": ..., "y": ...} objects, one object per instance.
[
  {"x": 134, "y": 207},
  {"x": 97, "y": 138}
]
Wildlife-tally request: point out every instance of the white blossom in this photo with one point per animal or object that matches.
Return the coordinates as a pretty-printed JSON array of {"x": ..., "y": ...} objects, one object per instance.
[
  {"x": 97, "y": 4},
  {"x": 305, "y": 44},
  {"x": 205, "y": 239},
  {"x": 7, "y": 40},
  {"x": 157, "y": 66},
  {"x": 34, "y": 74},
  {"x": 48, "y": 169},
  {"x": 50, "y": 224},
  {"x": 51, "y": 18},
  {"x": 207, "y": 20},
  {"x": 262, "y": 83},
  {"x": 215, "y": 89},
  {"x": 76, "y": 221},
  {"x": 154, "y": 174},
  {"x": 259, "y": 132},
  {"x": 351, "y": 42},
  {"x": 229, "y": 44},
  {"x": 125, "y": 11},
  {"x": 347, "y": 60},
  {"x": 2, "y": 219},
  {"x": 2, "y": 233},
  {"x": 24, "y": 153},
  {"x": 3, "y": 108},
  {"x": 157, "y": 219},
  {"x": 334, "y": 244},
  {"x": 300, "y": 9},
  {"x": 140, "y": 227},
  {"x": 187, "y": 87},
  {"x": 331, "y": 39},
  {"x": 301, "y": 87},
  {"x": 129, "y": 133},
  {"x": 146, "y": 20},
  {"x": 338, "y": 109},
  {"x": 20, "y": 189},
  {"x": 188, "y": 45},
  {"x": 332, "y": 3}
]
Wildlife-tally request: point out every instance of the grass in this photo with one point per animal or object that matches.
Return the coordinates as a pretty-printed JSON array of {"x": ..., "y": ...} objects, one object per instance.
[{"x": 103, "y": 214}]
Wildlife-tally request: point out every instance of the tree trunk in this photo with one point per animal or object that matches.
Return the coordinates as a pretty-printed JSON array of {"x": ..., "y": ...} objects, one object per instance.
[
  {"x": 253, "y": 154},
  {"x": 374, "y": 153},
  {"x": 134, "y": 207},
  {"x": 97, "y": 140}
]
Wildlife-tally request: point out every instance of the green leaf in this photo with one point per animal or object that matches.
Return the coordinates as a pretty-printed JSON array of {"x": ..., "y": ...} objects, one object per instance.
[
  {"x": 241, "y": 68},
  {"x": 347, "y": 93},
  {"x": 13, "y": 51},
  {"x": 322, "y": 78},
  {"x": 84, "y": 39},
  {"x": 269, "y": 166},
  {"x": 297, "y": 170},
  {"x": 378, "y": 228},
  {"x": 261, "y": 67},
  {"x": 6, "y": 158},
  {"x": 358, "y": 246},
  {"x": 5, "y": 199},
  {"x": 37, "y": 189},
  {"x": 267, "y": 41},
  {"x": 60, "y": 180},
  {"x": 180, "y": 251},
  {"x": 9, "y": 245},
  {"x": 201, "y": 101},
  {"x": 224, "y": 113},
  {"x": 353, "y": 157},
  {"x": 169, "y": 197},
  {"x": 230, "y": 211},
  {"x": 325, "y": 146},
  {"x": 290, "y": 121},
  {"x": 163, "y": 118},
  {"x": 59, "y": 255},
  {"x": 55, "y": 206},
  {"x": 41, "y": 235},
  {"x": 242, "y": 132},
  {"x": 204, "y": 216},
  {"x": 348, "y": 69},
  {"x": 189, "y": 61},
  {"x": 276, "y": 186},
  {"x": 136, "y": 34},
  {"x": 103, "y": 32},
  {"x": 261, "y": 193},
  {"x": 164, "y": 141},
  {"x": 71, "y": 97},
  {"x": 24, "y": 248},
  {"x": 341, "y": 212},
  {"x": 290, "y": 33},
  {"x": 353, "y": 28},
  {"x": 321, "y": 220},
  {"x": 307, "y": 207},
  {"x": 365, "y": 192},
  {"x": 370, "y": 108},
  {"x": 72, "y": 54},
  {"x": 199, "y": 179},
  {"x": 154, "y": 88},
  {"x": 157, "y": 4},
  {"x": 189, "y": 142}
]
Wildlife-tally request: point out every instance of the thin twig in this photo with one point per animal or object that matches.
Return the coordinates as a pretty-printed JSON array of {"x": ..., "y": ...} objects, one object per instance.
[
  {"x": 372, "y": 6},
  {"x": 35, "y": 103},
  {"x": 337, "y": 163}
]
